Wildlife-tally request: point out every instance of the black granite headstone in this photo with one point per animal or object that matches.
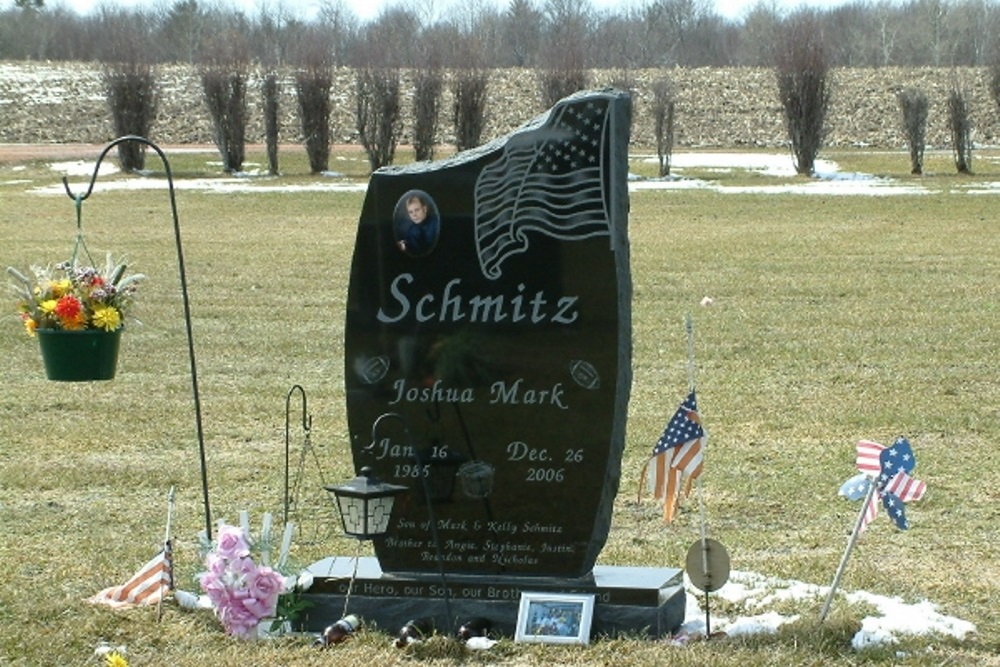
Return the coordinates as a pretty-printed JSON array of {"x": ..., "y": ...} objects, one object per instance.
[{"x": 488, "y": 316}]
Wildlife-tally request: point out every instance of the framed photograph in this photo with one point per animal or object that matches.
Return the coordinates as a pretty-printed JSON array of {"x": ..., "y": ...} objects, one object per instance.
[{"x": 554, "y": 618}]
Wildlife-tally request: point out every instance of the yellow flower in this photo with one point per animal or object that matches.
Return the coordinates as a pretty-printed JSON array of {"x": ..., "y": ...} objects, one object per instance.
[
  {"x": 60, "y": 287},
  {"x": 107, "y": 318},
  {"x": 30, "y": 325},
  {"x": 48, "y": 307},
  {"x": 115, "y": 659}
]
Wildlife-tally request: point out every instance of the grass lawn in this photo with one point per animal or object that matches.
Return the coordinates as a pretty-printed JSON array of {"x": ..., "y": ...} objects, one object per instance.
[{"x": 834, "y": 318}]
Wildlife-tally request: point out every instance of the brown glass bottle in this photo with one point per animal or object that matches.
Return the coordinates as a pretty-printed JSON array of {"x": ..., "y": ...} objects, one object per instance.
[
  {"x": 474, "y": 627},
  {"x": 415, "y": 630},
  {"x": 338, "y": 632}
]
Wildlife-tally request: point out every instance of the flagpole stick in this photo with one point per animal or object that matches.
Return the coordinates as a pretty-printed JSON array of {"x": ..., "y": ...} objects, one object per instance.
[
  {"x": 703, "y": 528},
  {"x": 167, "y": 552},
  {"x": 847, "y": 552},
  {"x": 689, "y": 326}
]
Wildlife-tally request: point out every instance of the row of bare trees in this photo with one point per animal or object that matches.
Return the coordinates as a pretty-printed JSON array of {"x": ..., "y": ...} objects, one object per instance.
[
  {"x": 521, "y": 33},
  {"x": 802, "y": 68},
  {"x": 801, "y": 71}
]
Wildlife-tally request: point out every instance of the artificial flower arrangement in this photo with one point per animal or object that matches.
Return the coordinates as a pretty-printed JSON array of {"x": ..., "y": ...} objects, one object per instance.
[
  {"x": 242, "y": 586},
  {"x": 75, "y": 297}
]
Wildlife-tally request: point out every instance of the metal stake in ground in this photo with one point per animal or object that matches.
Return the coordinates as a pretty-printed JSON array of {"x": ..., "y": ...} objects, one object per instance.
[
  {"x": 707, "y": 560},
  {"x": 847, "y": 553},
  {"x": 168, "y": 553}
]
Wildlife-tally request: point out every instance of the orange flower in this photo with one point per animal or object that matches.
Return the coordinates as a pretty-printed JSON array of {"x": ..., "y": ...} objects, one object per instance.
[
  {"x": 68, "y": 309},
  {"x": 78, "y": 321}
]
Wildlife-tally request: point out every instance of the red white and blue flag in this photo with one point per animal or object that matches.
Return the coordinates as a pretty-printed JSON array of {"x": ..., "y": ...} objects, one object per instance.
[
  {"x": 889, "y": 469},
  {"x": 147, "y": 586},
  {"x": 677, "y": 458}
]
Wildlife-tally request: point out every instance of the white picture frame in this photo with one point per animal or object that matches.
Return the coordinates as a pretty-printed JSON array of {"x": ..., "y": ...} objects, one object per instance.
[{"x": 554, "y": 618}]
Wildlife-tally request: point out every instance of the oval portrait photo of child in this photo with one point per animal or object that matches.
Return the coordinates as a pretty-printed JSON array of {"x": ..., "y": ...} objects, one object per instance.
[{"x": 417, "y": 223}]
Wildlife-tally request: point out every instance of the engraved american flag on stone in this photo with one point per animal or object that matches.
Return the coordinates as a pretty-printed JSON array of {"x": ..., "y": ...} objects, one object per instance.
[{"x": 551, "y": 180}]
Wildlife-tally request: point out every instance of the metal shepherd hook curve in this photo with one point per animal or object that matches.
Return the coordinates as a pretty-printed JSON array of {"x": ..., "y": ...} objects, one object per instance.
[{"x": 184, "y": 292}]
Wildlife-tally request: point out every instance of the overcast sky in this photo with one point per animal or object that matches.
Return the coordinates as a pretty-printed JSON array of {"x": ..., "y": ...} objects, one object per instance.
[{"x": 367, "y": 9}]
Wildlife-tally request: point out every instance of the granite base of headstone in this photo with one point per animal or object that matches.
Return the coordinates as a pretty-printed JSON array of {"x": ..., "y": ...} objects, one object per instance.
[{"x": 633, "y": 601}]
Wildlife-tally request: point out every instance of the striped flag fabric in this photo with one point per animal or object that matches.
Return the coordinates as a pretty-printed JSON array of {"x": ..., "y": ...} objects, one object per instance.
[
  {"x": 901, "y": 489},
  {"x": 148, "y": 586},
  {"x": 888, "y": 468},
  {"x": 677, "y": 458},
  {"x": 906, "y": 488},
  {"x": 868, "y": 457}
]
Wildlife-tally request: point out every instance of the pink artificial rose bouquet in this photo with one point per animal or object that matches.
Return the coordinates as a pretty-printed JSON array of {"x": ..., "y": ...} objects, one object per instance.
[{"x": 242, "y": 592}]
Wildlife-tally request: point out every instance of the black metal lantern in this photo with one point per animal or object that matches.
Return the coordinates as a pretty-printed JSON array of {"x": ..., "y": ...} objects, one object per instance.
[{"x": 365, "y": 504}]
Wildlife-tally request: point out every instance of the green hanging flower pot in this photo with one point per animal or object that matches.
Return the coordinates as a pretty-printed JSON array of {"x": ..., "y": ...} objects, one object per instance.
[
  {"x": 77, "y": 312},
  {"x": 79, "y": 356}
]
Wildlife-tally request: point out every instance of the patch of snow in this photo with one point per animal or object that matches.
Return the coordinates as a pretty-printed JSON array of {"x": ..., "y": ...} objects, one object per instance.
[
  {"x": 754, "y": 591},
  {"x": 212, "y": 185},
  {"x": 82, "y": 168},
  {"x": 829, "y": 180},
  {"x": 898, "y": 617}
]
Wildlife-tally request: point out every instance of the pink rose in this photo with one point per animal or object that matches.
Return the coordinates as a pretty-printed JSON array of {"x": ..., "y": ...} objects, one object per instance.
[
  {"x": 242, "y": 567},
  {"x": 214, "y": 587},
  {"x": 215, "y": 565},
  {"x": 260, "y": 608},
  {"x": 265, "y": 585},
  {"x": 237, "y": 619},
  {"x": 231, "y": 543}
]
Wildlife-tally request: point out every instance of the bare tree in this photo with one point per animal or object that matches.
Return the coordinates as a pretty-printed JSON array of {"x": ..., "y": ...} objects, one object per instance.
[
  {"x": 522, "y": 23},
  {"x": 183, "y": 29},
  {"x": 563, "y": 58},
  {"x": 802, "y": 71},
  {"x": 519, "y": 33},
  {"x": 914, "y": 105},
  {"x": 340, "y": 26},
  {"x": 563, "y": 74},
  {"x": 960, "y": 124},
  {"x": 469, "y": 82},
  {"x": 224, "y": 82},
  {"x": 393, "y": 38},
  {"x": 468, "y": 88},
  {"x": 132, "y": 92},
  {"x": 378, "y": 118},
  {"x": 271, "y": 92},
  {"x": 427, "y": 85},
  {"x": 313, "y": 82},
  {"x": 664, "y": 103}
]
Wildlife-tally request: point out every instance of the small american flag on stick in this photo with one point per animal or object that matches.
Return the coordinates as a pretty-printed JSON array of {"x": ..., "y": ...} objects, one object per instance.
[
  {"x": 147, "y": 586},
  {"x": 151, "y": 584},
  {"x": 677, "y": 458}
]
